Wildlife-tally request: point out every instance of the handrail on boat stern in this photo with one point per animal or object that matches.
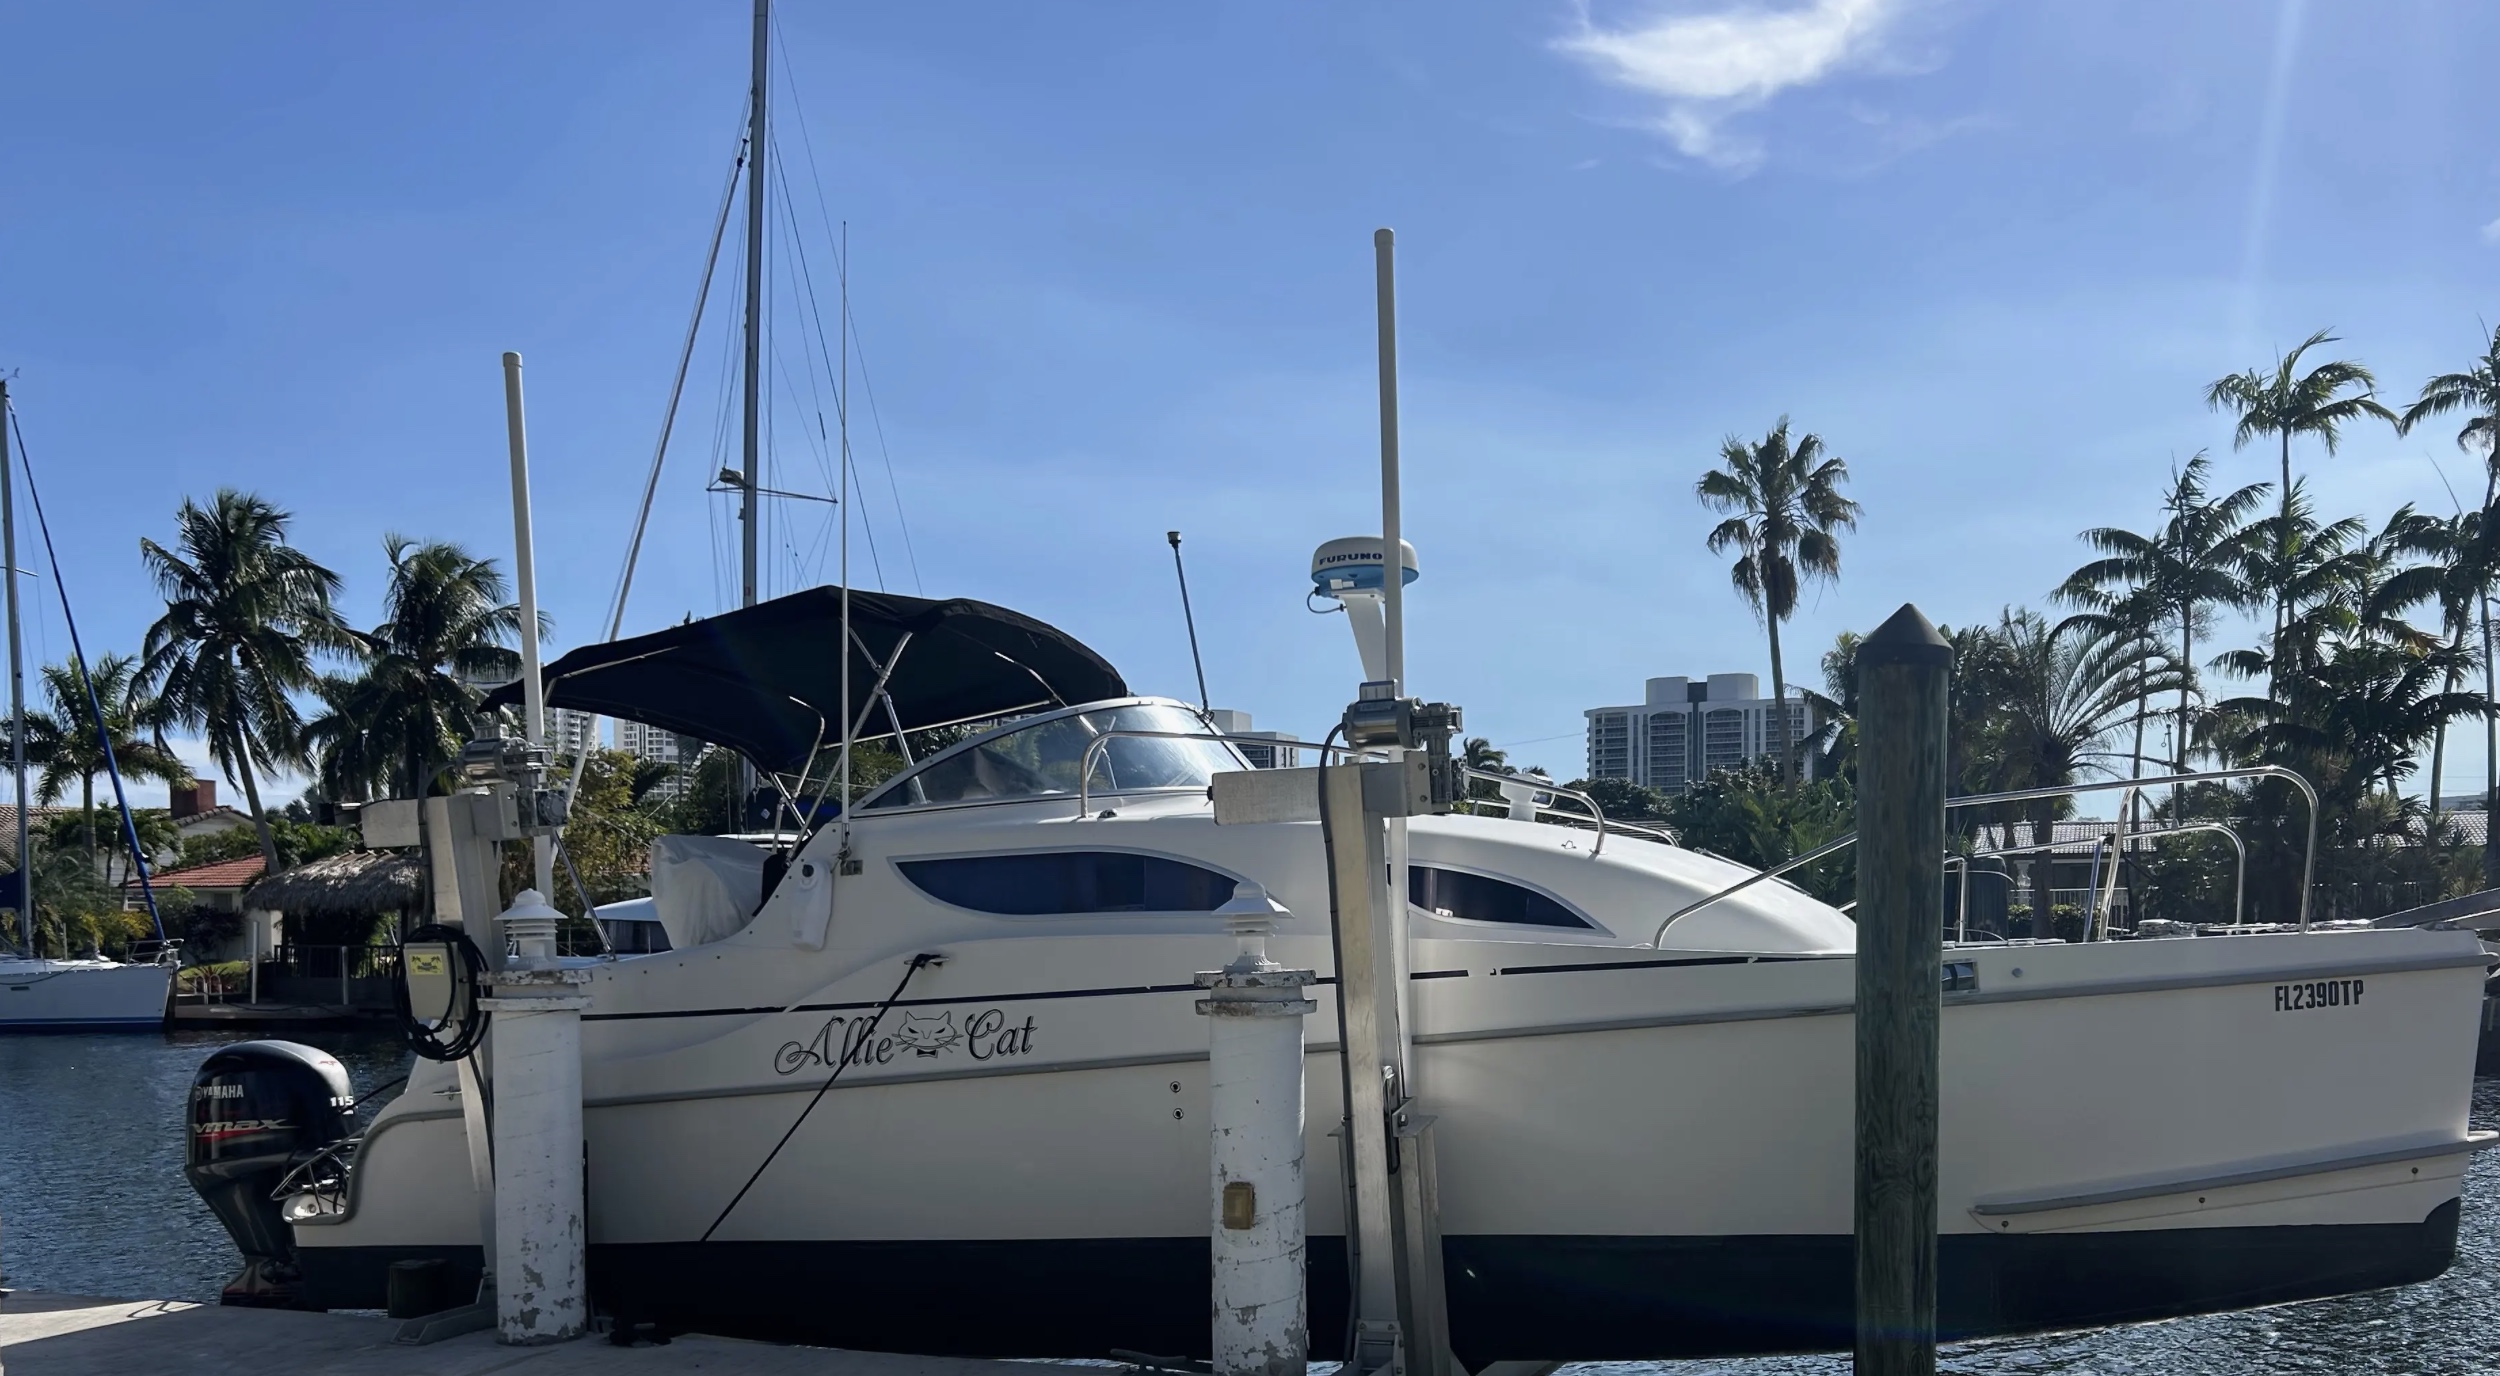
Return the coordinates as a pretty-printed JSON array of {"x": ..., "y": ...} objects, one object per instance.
[
  {"x": 2308, "y": 862},
  {"x": 2100, "y": 843},
  {"x": 1596, "y": 813}
]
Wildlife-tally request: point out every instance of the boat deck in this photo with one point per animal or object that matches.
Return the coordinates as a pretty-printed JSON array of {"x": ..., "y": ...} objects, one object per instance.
[{"x": 74, "y": 1335}]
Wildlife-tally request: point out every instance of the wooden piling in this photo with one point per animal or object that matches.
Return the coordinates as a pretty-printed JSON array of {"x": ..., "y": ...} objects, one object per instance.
[{"x": 1904, "y": 672}]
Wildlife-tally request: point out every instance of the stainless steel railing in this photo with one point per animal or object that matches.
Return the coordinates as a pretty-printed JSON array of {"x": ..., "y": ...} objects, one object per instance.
[
  {"x": 2100, "y": 845},
  {"x": 2309, "y": 854},
  {"x": 1596, "y": 813}
]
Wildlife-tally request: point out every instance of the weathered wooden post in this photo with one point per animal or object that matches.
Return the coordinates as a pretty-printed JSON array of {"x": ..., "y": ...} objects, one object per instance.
[{"x": 1904, "y": 672}]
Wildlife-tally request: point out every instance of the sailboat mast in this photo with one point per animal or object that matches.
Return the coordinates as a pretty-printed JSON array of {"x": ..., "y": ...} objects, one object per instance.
[
  {"x": 17, "y": 688},
  {"x": 750, "y": 512}
]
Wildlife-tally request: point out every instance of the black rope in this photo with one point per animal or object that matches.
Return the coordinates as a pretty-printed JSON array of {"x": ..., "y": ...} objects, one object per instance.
[
  {"x": 367, "y": 1096},
  {"x": 1345, "y": 1061},
  {"x": 841, "y": 1061}
]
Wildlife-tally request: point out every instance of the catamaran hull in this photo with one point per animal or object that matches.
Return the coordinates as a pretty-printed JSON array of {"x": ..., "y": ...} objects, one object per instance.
[
  {"x": 83, "y": 996},
  {"x": 1640, "y": 1156}
]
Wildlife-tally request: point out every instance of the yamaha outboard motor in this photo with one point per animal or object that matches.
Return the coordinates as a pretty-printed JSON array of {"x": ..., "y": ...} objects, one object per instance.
[{"x": 258, "y": 1110}]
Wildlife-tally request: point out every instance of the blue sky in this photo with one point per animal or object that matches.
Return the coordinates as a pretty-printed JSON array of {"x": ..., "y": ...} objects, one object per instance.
[{"x": 1111, "y": 275}]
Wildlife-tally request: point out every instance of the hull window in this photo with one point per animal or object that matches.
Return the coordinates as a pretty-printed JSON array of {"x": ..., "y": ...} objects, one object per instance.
[
  {"x": 1482, "y": 898},
  {"x": 1048, "y": 883}
]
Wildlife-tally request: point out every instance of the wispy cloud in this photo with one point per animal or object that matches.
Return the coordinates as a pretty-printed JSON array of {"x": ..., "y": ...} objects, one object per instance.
[
  {"x": 2491, "y": 232},
  {"x": 1709, "y": 66}
]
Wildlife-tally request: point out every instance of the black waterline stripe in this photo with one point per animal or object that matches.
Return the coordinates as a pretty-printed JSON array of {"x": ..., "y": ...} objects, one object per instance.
[{"x": 1119, "y": 991}]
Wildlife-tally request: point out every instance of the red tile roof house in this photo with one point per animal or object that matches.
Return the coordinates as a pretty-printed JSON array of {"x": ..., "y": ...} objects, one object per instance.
[{"x": 219, "y": 886}]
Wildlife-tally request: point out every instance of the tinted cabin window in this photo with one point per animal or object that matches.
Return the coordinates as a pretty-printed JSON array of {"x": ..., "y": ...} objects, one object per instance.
[
  {"x": 1479, "y": 898},
  {"x": 1045, "y": 883}
]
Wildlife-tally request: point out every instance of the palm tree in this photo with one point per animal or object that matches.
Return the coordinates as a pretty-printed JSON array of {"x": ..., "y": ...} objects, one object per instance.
[
  {"x": 1478, "y": 753},
  {"x": 2288, "y": 402},
  {"x": 350, "y": 764},
  {"x": 245, "y": 613},
  {"x": 2308, "y": 567},
  {"x": 2459, "y": 569},
  {"x": 649, "y": 775},
  {"x": 2192, "y": 565},
  {"x": 68, "y": 745},
  {"x": 2062, "y": 694},
  {"x": 405, "y": 715},
  {"x": 1785, "y": 518},
  {"x": 2356, "y": 718},
  {"x": 2475, "y": 391}
]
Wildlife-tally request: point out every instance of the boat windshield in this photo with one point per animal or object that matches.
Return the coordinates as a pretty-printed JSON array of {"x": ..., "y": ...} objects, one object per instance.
[{"x": 1043, "y": 759}]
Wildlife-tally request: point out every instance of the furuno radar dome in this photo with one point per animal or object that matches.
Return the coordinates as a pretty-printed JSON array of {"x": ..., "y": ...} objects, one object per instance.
[{"x": 1352, "y": 571}]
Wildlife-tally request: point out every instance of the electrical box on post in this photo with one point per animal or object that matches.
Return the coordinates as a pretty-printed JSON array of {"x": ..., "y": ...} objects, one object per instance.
[{"x": 433, "y": 986}]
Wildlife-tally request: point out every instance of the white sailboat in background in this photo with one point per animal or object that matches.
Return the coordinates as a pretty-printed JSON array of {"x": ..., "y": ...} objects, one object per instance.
[{"x": 38, "y": 993}]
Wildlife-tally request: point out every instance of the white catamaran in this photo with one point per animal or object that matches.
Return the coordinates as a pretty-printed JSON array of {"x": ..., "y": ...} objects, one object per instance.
[{"x": 1644, "y": 1125}]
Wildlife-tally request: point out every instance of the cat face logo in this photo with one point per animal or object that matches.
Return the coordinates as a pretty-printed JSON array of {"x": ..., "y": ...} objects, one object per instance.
[{"x": 928, "y": 1036}]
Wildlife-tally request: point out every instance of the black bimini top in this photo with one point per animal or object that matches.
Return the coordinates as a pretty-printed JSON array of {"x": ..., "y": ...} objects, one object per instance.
[{"x": 766, "y": 680}]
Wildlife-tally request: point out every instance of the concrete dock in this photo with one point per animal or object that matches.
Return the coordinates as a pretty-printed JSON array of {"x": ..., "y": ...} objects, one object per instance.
[{"x": 74, "y": 1335}]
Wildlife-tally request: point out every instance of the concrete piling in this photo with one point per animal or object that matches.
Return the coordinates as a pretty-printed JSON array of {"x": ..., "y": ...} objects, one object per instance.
[
  {"x": 1255, "y": 1010},
  {"x": 541, "y": 1286}
]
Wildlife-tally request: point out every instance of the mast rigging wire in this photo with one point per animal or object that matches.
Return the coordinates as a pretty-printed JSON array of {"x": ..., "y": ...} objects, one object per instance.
[
  {"x": 826, "y": 352},
  {"x": 860, "y": 351},
  {"x": 659, "y": 451},
  {"x": 850, "y": 325},
  {"x": 78, "y": 653}
]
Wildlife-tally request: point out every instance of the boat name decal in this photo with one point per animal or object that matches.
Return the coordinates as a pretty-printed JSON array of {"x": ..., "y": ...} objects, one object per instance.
[
  {"x": 2323, "y": 993},
  {"x": 983, "y": 1036}
]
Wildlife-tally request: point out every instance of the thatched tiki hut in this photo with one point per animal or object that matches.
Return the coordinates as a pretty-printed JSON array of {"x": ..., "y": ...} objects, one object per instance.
[{"x": 345, "y": 899}]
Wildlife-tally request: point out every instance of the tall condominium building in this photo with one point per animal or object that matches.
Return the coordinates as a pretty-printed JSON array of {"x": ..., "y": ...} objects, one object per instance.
[
  {"x": 1685, "y": 728},
  {"x": 1259, "y": 752},
  {"x": 660, "y": 747},
  {"x": 569, "y": 732}
]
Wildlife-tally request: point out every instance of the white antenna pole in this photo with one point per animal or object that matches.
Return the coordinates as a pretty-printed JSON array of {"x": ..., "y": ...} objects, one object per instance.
[
  {"x": 17, "y": 689},
  {"x": 1393, "y": 602},
  {"x": 1392, "y": 550},
  {"x": 525, "y": 577}
]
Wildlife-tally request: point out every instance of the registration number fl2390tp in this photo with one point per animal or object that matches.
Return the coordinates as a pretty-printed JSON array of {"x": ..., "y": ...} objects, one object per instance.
[{"x": 2324, "y": 993}]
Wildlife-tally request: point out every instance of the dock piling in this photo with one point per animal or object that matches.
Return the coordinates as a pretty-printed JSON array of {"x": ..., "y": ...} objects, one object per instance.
[
  {"x": 1904, "y": 675},
  {"x": 1255, "y": 1009}
]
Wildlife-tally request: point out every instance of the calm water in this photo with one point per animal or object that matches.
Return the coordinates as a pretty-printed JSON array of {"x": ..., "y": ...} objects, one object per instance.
[
  {"x": 92, "y": 1197},
  {"x": 92, "y": 1201}
]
